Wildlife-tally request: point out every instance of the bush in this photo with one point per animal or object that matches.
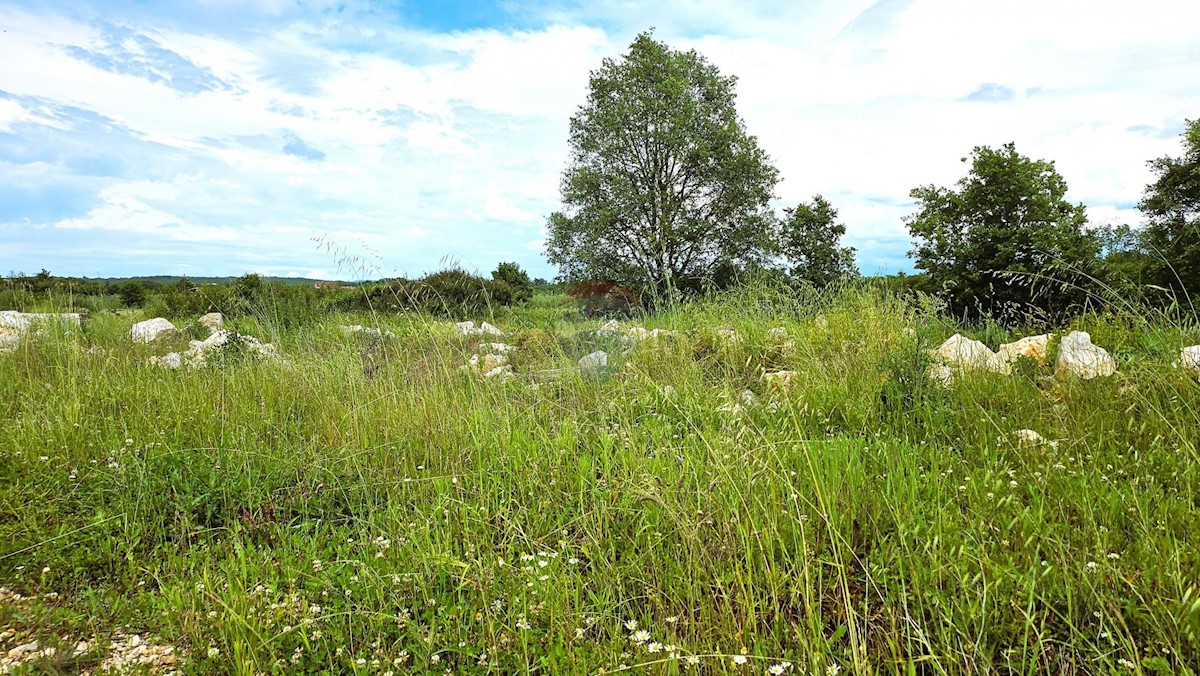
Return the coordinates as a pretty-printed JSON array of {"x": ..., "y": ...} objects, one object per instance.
[
  {"x": 449, "y": 293},
  {"x": 516, "y": 278}
]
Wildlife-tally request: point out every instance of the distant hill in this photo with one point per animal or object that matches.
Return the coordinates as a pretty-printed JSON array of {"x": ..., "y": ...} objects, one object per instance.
[{"x": 168, "y": 279}]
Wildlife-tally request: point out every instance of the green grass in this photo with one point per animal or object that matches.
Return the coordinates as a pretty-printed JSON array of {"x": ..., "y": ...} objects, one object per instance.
[{"x": 367, "y": 506}]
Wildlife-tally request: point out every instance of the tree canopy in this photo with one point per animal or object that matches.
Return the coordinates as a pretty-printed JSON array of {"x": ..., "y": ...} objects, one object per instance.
[
  {"x": 664, "y": 185},
  {"x": 1006, "y": 240},
  {"x": 810, "y": 243},
  {"x": 1171, "y": 239}
]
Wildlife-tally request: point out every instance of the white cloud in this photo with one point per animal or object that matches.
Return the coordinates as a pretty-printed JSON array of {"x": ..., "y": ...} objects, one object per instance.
[{"x": 442, "y": 144}]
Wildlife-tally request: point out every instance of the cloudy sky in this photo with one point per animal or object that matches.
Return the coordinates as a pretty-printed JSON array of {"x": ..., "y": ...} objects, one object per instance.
[{"x": 351, "y": 139}]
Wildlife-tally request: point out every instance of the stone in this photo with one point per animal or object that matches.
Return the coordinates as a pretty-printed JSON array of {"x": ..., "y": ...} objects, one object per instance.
[
  {"x": 941, "y": 374},
  {"x": 22, "y": 649},
  {"x": 1033, "y": 347},
  {"x": 594, "y": 362},
  {"x": 966, "y": 353},
  {"x": 171, "y": 360},
  {"x": 23, "y": 321},
  {"x": 368, "y": 331},
  {"x": 499, "y": 372},
  {"x": 782, "y": 381},
  {"x": 485, "y": 329},
  {"x": 9, "y": 339},
  {"x": 1189, "y": 357},
  {"x": 1031, "y": 438},
  {"x": 1078, "y": 357},
  {"x": 610, "y": 328},
  {"x": 729, "y": 336},
  {"x": 213, "y": 321},
  {"x": 151, "y": 330},
  {"x": 778, "y": 333},
  {"x": 488, "y": 362},
  {"x": 497, "y": 348}
]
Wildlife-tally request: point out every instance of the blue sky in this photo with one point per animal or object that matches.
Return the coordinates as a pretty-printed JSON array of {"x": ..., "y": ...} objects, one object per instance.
[{"x": 349, "y": 139}]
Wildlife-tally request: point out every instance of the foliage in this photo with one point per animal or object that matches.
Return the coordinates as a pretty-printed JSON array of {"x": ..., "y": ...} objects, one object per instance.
[
  {"x": 809, "y": 241},
  {"x": 664, "y": 184},
  {"x": 1006, "y": 241},
  {"x": 517, "y": 280},
  {"x": 448, "y": 293},
  {"x": 1171, "y": 203}
]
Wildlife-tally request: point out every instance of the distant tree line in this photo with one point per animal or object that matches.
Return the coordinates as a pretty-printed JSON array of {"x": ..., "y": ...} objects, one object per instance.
[{"x": 453, "y": 292}]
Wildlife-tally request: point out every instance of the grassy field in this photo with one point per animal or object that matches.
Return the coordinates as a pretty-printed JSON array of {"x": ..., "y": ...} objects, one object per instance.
[{"x": 366, "y": 506}]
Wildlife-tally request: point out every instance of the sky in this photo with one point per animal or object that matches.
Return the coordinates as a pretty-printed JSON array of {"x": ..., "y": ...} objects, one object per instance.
[{"x": 350, "y": 139}]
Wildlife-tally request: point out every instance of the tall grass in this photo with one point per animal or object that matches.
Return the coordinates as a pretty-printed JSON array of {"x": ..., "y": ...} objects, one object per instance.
[{"x": 367, "y": 506}]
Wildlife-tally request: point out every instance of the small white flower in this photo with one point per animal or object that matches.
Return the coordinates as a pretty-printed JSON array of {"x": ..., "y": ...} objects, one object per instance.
[
  {"x": 640, "y": 636},
  {"x": 213, "y": 652},
  {"x": 1114, "y": 555},
  {"x": 833, "y": 669},
  {"x": 654, "y": 647},
  {"x": 740, "y": 659},
  {"x": 692, "y": 659},
  {"x": 631, "y": 625},
  {"x": 1092, "y": 565}
]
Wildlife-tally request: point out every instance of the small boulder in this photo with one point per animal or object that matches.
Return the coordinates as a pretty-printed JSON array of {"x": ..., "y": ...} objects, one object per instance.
[
  {"x": 1033, "y": 347},
  {"x": 1078, "y": 357},
  {"x": 1189, "y": 358},
  {"x": 466, "y": 328},
  {"x": 213, "y": 321},
  {"x": 610, "y": 328},
  {"x": 941, "y": 374},
  {"x": 151, "y": 330},
  {"x": 1031, "y": 438},
  {"x": 172, "y": 360},
  {"x": 488, "y": 362},
  {"x": 23, "y": 321},
  {"x": 728, "y": 336},
  {"x": 777, "y": 334},
  {"x": 500, "y": 372},
  {"x": 594, "y": 362},
  {"x": 963, "y": 352},
  {"x": 486, "y": 329},
  {"x": 9, "y": 339}
]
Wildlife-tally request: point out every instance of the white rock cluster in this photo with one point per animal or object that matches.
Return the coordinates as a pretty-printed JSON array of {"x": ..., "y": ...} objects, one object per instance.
[
  {"x": 633, "y": 334},
  {"x": 351, "y": 330},
  {"x": 959, "y": 354},
  {"x": 484, "y": 329},
  {"x": 491, "y": 360},
  {"x": 1189, "y": 358},
  {"x": 199, "y": 351},
  {"x": 15, "y": 324}
]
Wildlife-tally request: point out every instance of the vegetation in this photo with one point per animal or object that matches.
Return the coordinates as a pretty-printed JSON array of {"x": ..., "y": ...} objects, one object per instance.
[
  {"x": 368, "y": 507},
  {"x": 1007, "y": 240},
  {"x": 664, "y": 186},
  {"x": 1171, "y": 241}
]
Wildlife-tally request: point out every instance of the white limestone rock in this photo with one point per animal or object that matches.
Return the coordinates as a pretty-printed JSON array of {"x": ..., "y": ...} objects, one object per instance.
[
  {"x": 23, "y": 321},
  {"x": 1078, "y": 357},
  {"x": 1189, "y": 358},
  {"x": 151, "y": 330},
  {"x": 960, "y": 352},
  {"x": 9, "y": 339},
  {"x": 213, "y": 321},
  {"x": 172, "y": 360},
  {"x": 1030, "y": 438},
  {"x": 1033, "y": 347},
  {"x": 594, "y": 362}
]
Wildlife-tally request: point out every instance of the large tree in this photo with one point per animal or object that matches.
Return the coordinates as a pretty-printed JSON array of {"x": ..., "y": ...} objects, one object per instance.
[
  {"x": 810, "y": 243},
  {"x": 1171, "y": 238},
  {"x": 664, "y": 186},
  {"x": 1007, "y": 240}
]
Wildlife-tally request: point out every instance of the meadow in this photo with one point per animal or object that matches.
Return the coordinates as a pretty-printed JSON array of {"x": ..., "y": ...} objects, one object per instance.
[{"x": 366, "y": 505}]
